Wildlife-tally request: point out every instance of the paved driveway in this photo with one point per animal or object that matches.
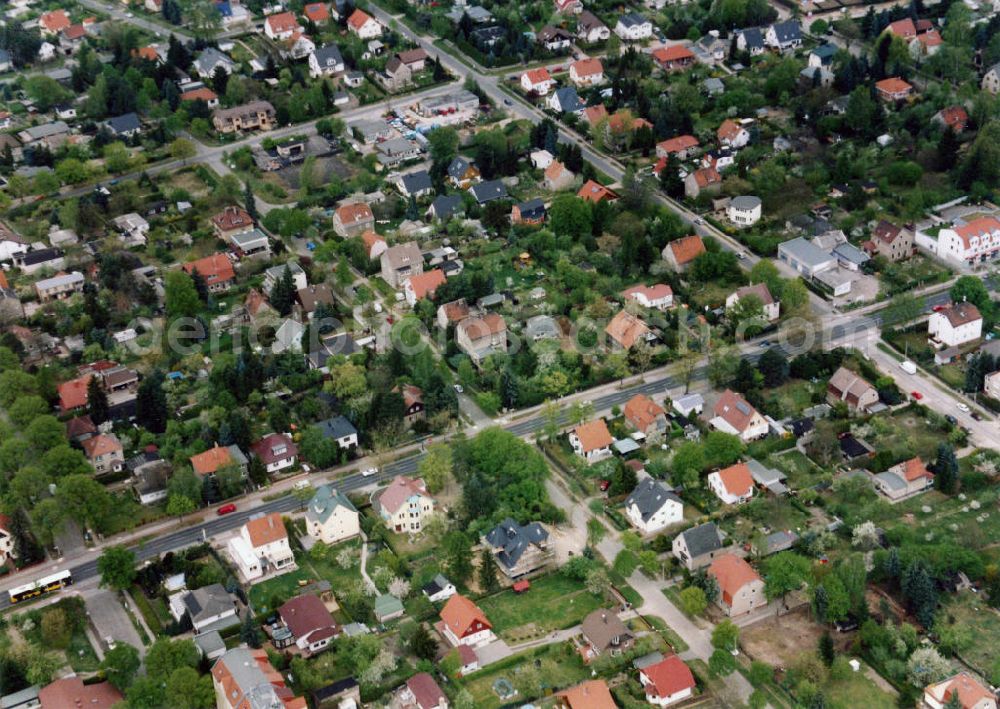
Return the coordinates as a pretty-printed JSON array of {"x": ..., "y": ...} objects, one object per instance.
[{"x": 111, "y": 620}]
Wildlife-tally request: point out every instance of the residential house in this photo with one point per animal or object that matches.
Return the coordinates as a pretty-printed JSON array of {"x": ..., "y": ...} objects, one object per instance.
[
  {"x": 452, "y": 313},
  {"x": 202, "y": 93},
  {"x": 210, "y": 60},
  {"x": 537, "y": 81},
  {"x": 645, "y": 415},
  {"x": 659, "y": 296},
  {"x": 486, "y": 192},
  {"x": 415, "y": 184},
  {"x": 744, "y": 211},
  {"x": 462, "y": 173},
  {"x": 712, "y": 49},
  {"x": 72, "y": 692},
  {"x": 54, "y": 22},
  {"x": 751, "y": 41},
  {"x": 275, "y": 274},
  {"x": 11, "y": 243},
  {"x": 262, "y": 548},
  {"x": 676, "y": 57},
  {"x": 680, "y": 147},
  {"x": 591, "y": 441},
  {"x": 413, "y": 403},
  {"x": 567, "y": 7},
  {"x": 256, "y": 115},
  {"x": 439, "y": 589},
  {"x": 396, "y": 151},
  {"x": 667, "y": 682},
  {"x": 6, "y": 540},
  {"x": 590, "y": 694},
  {"x": 688, "y": 404},
  {"x": 217, "y": 270},
  {"x": 218, "y": 457},
  {"x": 991, "y": 385},
  {"x": 732, "y": 414},
  {"x": 251, "y": 244},
  {"x": 955, "y": 325},
  {"x": 316, "y": 12},
  {"x": 633, "y": 27},
  {"x": 893, "y": 89},
  {"x": 423, "y": 285},
  {"x": 732, "y": 485},
  {"x": 904, "y": 480},
  {"x": 565, "y": 100},
  {"x": 848, "y": 387},
  {"x": 976, "y": 241},
  {"x": 518, "y": 549},
  {"x": 105, "y": 452},
  {"x": 741, "y": 589},
  {"x": 805, "y": 257},
  {"x": 704, "y": 179},
  {"x": 353, "y": 219},
  {"x": 311, "y": 625},
  {"x": 59, "y": 287},
  {"x": 276, "y": 451},
  {"x": 420, "y": 692},
  {"x": 557, "y": 177},
  {"x": 245, "y": 678},
  {"x": 970, "y": 693},
  {"x": 590, "y": 30},
  {"x": 364, "y": 25},
  {"x": 375, "y": 244},
  {"x": 463, "y": 623},
  {"x": 52, "y": 135},
  {"x": 784, "y": 36},
  {"x": 953, "y": 117},
  {"x": 530, "y": 212},
  {"x": 586, "y": 72},
  {"x": 592, "y": 115},
  {"x": 480, "y": 337},
  {"x": 125, "y": 126},
  {"x": 210, "y": 608},
  {"x": 326, "y": 61},
  {"x": 231, "y": 221},
  {"x": 331, "y": 517},
  {"x": 681, "y": 252},
  {"x": 596, "y": 192},
  {"x": 404, "y": 505},
  {"x": 396, "y": 76},
  {"x": 310, "y": 298},
  {"x": 697, "y": 547},
  {"x": 732, "y": 134},
  {"x": 626, "y": 330},
  {"x": 605, "y": 633},
  {"x": 651, "y": 507},
  {"x": 893, "y": 242},
  {"x": 554, "y": 39},
  {"x": 821, "y": 57},
  {"x": 31, "y": 262},
  {"x": 772, "y": 307},
  {"x": 991, "y": 80},
  {"x": 400, "y": 263}
]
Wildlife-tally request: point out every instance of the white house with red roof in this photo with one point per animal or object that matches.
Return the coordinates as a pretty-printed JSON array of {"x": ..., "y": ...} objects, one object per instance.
[
  {"x": 310, "y": 623},
  {"x": 592, "y": 440},
  {"x": 52, "y": 23},
  {"x": 464, "y": 623},
  {"x": 569, "y": 6},
  {"x": 681, "y": 146},
  {"x": 772, "y": 307},
  {"x": 741, "y": 589},
  {"x": 364, "y": 25},
  {"x": 421, "y": 692},
  {"x": 261, "y": 548},
  {"x": 955, "y": 325},
  {"x": 732, "y": 414},
  {"x": 659, "y": 296},
  {"x": 732, "y": 134},
  {"x": 977, "y": 241},
  {"x": 732, "y": 485},
  {"x": 423, "y": 285},
  {"x": 281, "y": 26},
  {"x": 105, "y": 452},
  {"x": 586, "y": 72},
  {"x": 405, "y": 505},
  {"x": 538, "y": 81},
  {"x": 971, "y": 693},
  {"x": 667, "y": 682},
  {"x": 904, "y": 480},
  {"x": 276, "y": 451}
]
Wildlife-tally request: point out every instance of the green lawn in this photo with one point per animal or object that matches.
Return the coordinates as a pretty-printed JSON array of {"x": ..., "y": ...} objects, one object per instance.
[
  {"x": 801, "y": 471},
  {"x": 310, "y": 569},
  {"x": 793, "y": 396},
  {"x": 857, "y": 691},
  {"x": 968, "y": 610},
  {"x": 552, "y": 602},
  {"x": 533, "y": 674},
  {"x": 907, "y": 434}
]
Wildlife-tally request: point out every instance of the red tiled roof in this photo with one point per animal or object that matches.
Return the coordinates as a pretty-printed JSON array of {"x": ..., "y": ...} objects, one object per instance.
[
  {"x": 74, "y": 32},
  {"x": 100, "y": 444},
  {"x": 358, "y": 19},
  {"x": 426, "y": 691},
  {"x": 148, "y": 53},
  {"x": 656, "y": 292},
  {"x": 678, "y": 144},
  {"x": 737, "y": 479},
  {"x": 642, "y": 412},
  {"x": 306, "y": 614},
  {"x": 959, "y": 314},
  {"x": 668, "y": 677},
  {"x": 977, "y": 227},
  {"x": 732, "y": 573},
  {"x": 399, "y": 491},
  {"x": 893, "y": 85},
  {"x": 707, "y": 176},
  {"x": 265, "y": 530},
  {"x": 203, "y": 94},
  {"x": 955, "y": 117},
  {"x": 675, "y": 53},
  {"x": 232, "y": 217},
  {"x": 72, "y": 692},
  {"x": 971, "y": 694},
  {"x": 55, "y": 21},
  {"x": 316, "y": 12},
  {"x": 595, "y": 114},
  {"x": 587, "y": 67},
  {"x": 687, "y": 249},
  {"x": 903, "y": 28},
  {"x": 282, "y": 22},
  {"x": 914, "y": 469},
  {"x": 538, "y": 76},
  {"x": 216, "y": 268},
  {"x": 354, "y": 213},
  {"x": 596, "y": 192},
  {"x": 593, "y": 435},
  {"x": 424, "y": 284},
  {"x": 73, "y": 394},
  {"x": 210, "y": 461},
  {"x": 592, "y": 694},
  {"x": 731, "y": 406},
  {"x": 626, "y": 329},
  {"x": 461, "y": 616},
  {"x": 265, "y": 448}
]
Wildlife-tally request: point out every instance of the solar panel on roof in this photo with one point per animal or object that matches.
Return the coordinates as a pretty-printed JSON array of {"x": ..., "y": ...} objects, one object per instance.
[{"x": 742, "y": 408}]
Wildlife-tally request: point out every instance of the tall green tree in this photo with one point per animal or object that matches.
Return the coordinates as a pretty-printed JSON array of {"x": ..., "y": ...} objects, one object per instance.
[
  {"x": 283, "y": 293},
  {"x": 488, "y": 580},
  {"x": 946, "y": 469},
  {"x": 97, "y": 400},
  {"x": 117, "y": 567},
  {"x": 151, "y": 403},
  {"x": 120, "y": 665}
]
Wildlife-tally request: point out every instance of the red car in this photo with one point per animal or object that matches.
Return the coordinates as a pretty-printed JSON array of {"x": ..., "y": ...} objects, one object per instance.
[
  {"x": 605, "y": 484},
  {"x": 916, "y": 395},
  {"x": 226, "y": 509}
]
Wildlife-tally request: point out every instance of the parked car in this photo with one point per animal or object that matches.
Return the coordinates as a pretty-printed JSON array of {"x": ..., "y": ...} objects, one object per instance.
[
  {"x": 226, "y": 509},
  {"x": 964, "y": 408},
  {"x": 368, "y": 472},
  {"x": 950, "y": 419},
  {"x": 916, "y": 395}
]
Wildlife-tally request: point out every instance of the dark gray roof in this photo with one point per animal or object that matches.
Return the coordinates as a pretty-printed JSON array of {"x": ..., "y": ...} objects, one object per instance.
[
  {"x": 208, "y": 601},
  {"x": 787, "y": 31},
  {"x": 328, "y": 56},
  {"x": 753, "y": 37},
  {"x": 125, "y": 123},
  {"x": 417, "y": 182},
  {"x": 337, "y": 427},
  {"x": 532, "y": 209},
  {"x": 445, "y": 205},
  {"x": 569, "y": 100},
  {"x": 632, "y": 19},
  {"x": 458, "y": 167},
  {"x": 650, "y": 496},
  {"x": 33, "y": 258},
  {"x": 702, "y": 539},
  {"x": 488, "y": 191},
  {"x": 514, "y": 539}
]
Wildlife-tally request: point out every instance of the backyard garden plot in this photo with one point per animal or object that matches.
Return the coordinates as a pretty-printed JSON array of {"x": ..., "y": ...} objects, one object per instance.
[
  {"x": 969, "y": 613},
  {"x": 339, "y": 564},
  {"x": 970, "y": 521},
  {"x": 905, "y": 433},
  {"x": 524, "y": 677},
  {"x": 553, "y": 602}
]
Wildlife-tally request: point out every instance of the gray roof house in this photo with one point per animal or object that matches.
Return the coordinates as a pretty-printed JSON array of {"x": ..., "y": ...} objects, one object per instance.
[
  {"x": 209, "y": 60},
  {"x": 486, "y": 192},
  {"x": 444, "y": 206},
  {"x": 518, "y": 549},
  {"x": 768, "y": 478},
  {"x": 211, "y": 608},
  {"x": 713, "y": 86},
  {"x": 696, "y": 547},
  {"x": 126, "y": 124},
  {"x": 341, "y": 430},
  {"x": 805, "y": 257},
  {"x": 541, "y": 327},
  {"x": 652, "y": 507},
  {"x": 416, "y": 184},
  {"x": 325, "y": 502},
  {"x": 785, "y": 35},
  {"x": 750, "y": 40}
]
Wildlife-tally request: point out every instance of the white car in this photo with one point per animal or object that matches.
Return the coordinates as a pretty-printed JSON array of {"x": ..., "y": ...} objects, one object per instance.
[
  {"x": 368, "y": 472},
  {"x": 963, "y": 408},
  {"x": 458, "y": 388}
]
